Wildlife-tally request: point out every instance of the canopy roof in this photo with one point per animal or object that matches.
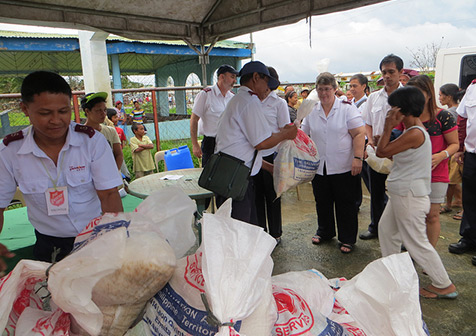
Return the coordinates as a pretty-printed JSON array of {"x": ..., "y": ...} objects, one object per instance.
[{"x": 196, "y": 21}]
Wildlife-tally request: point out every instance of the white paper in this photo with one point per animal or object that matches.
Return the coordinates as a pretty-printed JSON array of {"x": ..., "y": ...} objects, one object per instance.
[{"x": 171, "y": 177}]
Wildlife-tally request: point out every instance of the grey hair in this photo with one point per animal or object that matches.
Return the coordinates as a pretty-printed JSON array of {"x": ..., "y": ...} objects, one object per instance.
[{"x": 326, "y": 78}]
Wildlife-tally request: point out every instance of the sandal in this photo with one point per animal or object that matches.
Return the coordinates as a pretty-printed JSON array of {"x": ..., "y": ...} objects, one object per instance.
[
  {"x": 316, "y": 240},
  {"x": 445, "y": 209},
  {"x": 449, "y": 296},
  {"x": 459, "y": 215},
  {"x": 343, "y": 246}
]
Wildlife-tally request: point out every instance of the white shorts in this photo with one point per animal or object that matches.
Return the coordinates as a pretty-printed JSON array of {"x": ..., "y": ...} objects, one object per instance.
[{"x": 438, "y": 192}]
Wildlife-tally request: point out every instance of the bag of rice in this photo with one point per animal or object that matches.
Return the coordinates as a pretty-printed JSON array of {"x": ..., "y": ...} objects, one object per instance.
[{"x": 296, "y": 163}]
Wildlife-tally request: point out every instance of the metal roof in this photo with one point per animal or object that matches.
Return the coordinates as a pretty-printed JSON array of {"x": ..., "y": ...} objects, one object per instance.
[
  {"x": 199, "y": 22},
  {"x": 22, "y": 53}
]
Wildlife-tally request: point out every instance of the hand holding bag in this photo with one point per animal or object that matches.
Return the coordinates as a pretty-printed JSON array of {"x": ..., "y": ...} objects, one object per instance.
[{"x": 226, "y": 176}]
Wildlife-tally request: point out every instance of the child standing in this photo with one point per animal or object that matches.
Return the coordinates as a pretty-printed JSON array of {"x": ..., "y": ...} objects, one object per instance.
[{"x": 141, "y": 146}]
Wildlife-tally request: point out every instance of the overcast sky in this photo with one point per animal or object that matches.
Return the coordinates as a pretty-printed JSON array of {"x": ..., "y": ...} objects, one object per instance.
[{"x": 356, "y": 40}]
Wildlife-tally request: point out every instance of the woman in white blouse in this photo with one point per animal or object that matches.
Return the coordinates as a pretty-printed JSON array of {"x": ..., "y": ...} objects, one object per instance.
[{"x": 337, "y": 128}]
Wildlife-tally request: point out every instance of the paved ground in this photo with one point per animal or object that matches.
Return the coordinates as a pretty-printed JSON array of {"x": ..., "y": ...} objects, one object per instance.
[{"x": 296, "y": 253}]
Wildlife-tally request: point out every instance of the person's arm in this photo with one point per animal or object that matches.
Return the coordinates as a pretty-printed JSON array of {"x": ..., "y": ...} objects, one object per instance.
[
  {"x": 358, "y": 143},
  {"x": 197, "y": 151},
  {"x": 118, "y": 155},
  {"x": 459, "y": 156},
  {"x": 269, "y": 167},
  {"x": 410, "y": 139},
  {"x": 4, "y": 252},
  {"x": 288, "y": 132},
  {"x": 369, "y": 132},
  {"x": 451, "y": 139},
  {"x": 110, "y": 200}
]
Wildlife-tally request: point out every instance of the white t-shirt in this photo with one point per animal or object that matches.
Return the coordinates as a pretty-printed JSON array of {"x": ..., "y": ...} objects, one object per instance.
[
  {"x": 331, "y": 135},
  {"x": 209, "y": 105},
  {"x": 276, "y": 112},
  {"x": 375, "y": 110},
  {"x": 242, "y": 127},
  {"x": 84, "y": 166},
  {"x": 467, "y": 109}
]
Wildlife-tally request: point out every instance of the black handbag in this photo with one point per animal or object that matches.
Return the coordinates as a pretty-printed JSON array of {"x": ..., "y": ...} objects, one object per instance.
[{"x": 226, "y": 176}]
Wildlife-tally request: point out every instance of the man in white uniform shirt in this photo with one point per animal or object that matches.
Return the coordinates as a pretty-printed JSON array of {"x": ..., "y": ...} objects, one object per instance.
[
  {"x": 243, "y": 129},
  {"x": 209, "y": 106},
  {"x": 467, "y": 109},
  {"x": 374, "y": 113},
  {"x": 64, "y": 170}
]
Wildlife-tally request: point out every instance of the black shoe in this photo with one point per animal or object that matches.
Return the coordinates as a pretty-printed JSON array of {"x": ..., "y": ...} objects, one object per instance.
[
  {"x": 368, "y": 235},
  {"x": 460, "y": 247},
  {"x": 474, "y": 260}
]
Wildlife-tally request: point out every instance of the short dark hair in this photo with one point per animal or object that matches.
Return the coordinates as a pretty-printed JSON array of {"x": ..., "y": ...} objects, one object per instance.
[
  {"x": 392, "y": 59},
  {"x": 43, "y": 81},
  {"x": 273, "y": 73},
  {"x": 246, "y": 78},
  {"x": 453, "y": 91},
  {"x": 363, "y": 80},
  {"x": 135, "y": 127},
  {"x": 409, "y": 99},
  {"x": 111, "y": 112},
  {"x": 326, "y": 78}
]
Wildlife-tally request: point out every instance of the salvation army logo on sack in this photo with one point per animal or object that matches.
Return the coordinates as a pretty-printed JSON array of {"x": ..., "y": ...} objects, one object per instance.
[
  {"x": 193, "y": 272},
  {"x": 57, "y": 197},
  {"x": 294, "y": 315},
  {"x": 305, "y": 144}
]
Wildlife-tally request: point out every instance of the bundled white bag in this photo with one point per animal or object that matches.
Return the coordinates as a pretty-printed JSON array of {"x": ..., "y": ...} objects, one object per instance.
[
  {"x": 380, "y": 165},
  {"x": 384, "y": 297},
  {"x": 238, "y": 288},
  {"x": 296, "y": 163}
]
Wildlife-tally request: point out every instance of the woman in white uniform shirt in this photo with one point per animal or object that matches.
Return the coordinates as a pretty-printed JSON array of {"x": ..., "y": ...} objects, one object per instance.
[{"x": 337, "y": 128}]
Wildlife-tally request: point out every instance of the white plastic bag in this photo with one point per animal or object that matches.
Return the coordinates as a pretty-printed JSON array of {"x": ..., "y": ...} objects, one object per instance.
[
  {"x": 380, "y": 165},
  {"x": 237, "y": 267},
  {"x": 384, "y": 297},
  {"x": 297, "y": 162}
]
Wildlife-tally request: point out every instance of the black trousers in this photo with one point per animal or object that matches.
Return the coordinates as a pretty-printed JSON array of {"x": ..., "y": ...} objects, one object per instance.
[
  {"x": 468, "y": 223},
  {"x": 208, "y": 148},
  {"x": 45, "y": 245},
  {"x": 244, "y": 210},
  {"x": 378, "y": 198},
  {"x": 364, "y": 175},
  {"x": 336, "y": 192},
  {"x": 267, "y": 205}
]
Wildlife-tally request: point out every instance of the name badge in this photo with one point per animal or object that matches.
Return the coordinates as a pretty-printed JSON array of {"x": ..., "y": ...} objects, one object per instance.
[{"x": 57, "y": 201}]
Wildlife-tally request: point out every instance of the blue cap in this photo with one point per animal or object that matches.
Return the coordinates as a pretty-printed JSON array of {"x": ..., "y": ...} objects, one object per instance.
[{"x": 257, "y": 66}]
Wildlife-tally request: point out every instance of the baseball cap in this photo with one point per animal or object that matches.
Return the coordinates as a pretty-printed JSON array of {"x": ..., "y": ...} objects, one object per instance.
[
  {"x": 304, "y": 88},
  {"x": 90, "y": 96},
  {"x": 257, "y": 66},
  {"x": 226, "y": 68},
  {"x": 118, "y": 102}
]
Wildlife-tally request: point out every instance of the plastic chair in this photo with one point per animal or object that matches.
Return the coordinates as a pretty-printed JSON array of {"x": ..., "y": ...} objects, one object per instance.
[
  {"x": 159, "y": 156},
  {"x": 178, "y": 158}
]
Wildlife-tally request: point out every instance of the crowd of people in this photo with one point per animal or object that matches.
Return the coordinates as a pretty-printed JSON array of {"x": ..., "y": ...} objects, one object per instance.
[{"x": 433, "y": 152}]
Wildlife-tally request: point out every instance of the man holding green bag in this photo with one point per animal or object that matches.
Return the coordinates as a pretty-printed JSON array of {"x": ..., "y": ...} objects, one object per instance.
[{"x": 243, "y": 129}]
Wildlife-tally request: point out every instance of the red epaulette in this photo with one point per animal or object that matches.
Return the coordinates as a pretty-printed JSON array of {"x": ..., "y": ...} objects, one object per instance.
[
  {"x": 12, "y": 137},
  {"x": 252, "y": 93},
  {"x": 85, "y": 129},
  {"x": 474, "y": 81},
  {"x": 346, "y": 102},
  {"x": 207, "y": 89}
]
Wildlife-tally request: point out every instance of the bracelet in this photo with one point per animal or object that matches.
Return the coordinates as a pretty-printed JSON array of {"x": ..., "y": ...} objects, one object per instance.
[
  {"x": 447, "y": 154},
  {"x": 358, "y": 158}
]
